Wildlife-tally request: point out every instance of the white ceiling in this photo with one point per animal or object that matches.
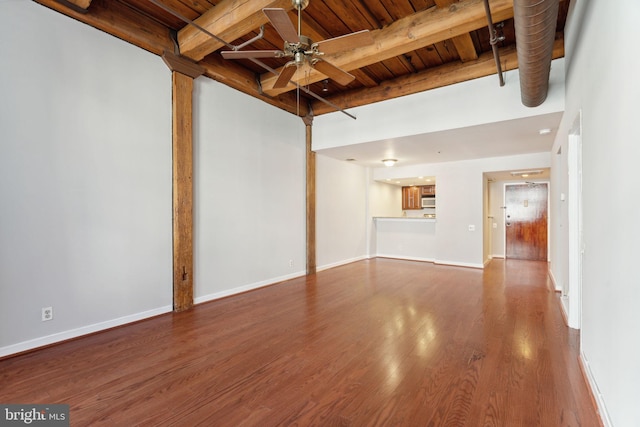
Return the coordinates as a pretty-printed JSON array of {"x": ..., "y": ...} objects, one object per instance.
[{"x": 507, "y": 138}]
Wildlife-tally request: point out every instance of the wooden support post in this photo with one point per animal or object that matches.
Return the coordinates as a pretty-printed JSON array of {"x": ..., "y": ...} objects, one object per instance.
[
  {"x": 311, "y": 197},
  {"x": 182, "y": 192}
]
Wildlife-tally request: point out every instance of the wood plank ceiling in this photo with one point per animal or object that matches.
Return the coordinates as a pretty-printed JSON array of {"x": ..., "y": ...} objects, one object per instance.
[{"x": 418, "y": 44}]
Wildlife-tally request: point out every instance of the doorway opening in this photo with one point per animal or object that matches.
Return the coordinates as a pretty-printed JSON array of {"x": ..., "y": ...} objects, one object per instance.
[{"x": 526, "y": 221}]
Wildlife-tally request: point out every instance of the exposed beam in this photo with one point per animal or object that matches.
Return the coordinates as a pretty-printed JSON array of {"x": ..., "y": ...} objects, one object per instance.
[
  {"x": 83, "y": 4},
  {"x": 182, "y": 65},
  {"x": 364, "y": 78},
  {"x": 405, "y": 35},
  {"x": 182, "y": 191},
  {"x": 432, "y": 78},
  {"x": 121, "y": 21},
  {"x": 311, "y": 196},
  {"x": 463, "y": 43},
  {"x": 228, "y": 20},
  {"x": 77, "y": 5}
]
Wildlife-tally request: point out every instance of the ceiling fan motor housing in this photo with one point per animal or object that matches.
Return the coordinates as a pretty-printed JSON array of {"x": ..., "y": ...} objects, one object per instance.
[
  {"x": 300, "y": 51},
  {"x": 300, "y": 4}
]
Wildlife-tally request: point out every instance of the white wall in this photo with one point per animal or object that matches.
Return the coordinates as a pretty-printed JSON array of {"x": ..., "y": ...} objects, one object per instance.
[
  {"x": 450, "y": 107},
  {"x": 460, "y": 198},
  {"x": 496, "y": 202},
  {"x": 85, "y": 179},
  {"x": 85, "y": 170},
  {"x": 559, "y": 228},
  {"x": 384, "y": 200},
  {"x": 601, "y": 38},
  {"x": 341, "y": 212},
  {"x": 249, "y": 192}
]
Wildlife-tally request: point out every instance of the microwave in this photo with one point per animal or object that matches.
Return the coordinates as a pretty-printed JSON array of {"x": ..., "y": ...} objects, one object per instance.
[{"x": 428, "y": 202}]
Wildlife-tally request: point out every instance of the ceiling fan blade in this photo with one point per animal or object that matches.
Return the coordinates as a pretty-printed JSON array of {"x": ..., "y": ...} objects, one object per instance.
[
  {"x": 334, "y": 73},
  {"x": 281, "y": 22},
  {"x": 240, "y": 54},
  {"x": 346, "y": 42},
  {"x": 285, "y": 75}
]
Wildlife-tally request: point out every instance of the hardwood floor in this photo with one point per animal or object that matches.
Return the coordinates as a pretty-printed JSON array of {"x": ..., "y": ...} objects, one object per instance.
[{"x": 377, "y": 342}]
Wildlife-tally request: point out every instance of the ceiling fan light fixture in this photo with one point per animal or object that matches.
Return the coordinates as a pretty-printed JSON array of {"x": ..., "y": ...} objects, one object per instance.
[{"x": 389, "y": 162}]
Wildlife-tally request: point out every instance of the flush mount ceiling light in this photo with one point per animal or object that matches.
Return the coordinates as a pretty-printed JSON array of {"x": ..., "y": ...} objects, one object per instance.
[
  {"x": 545, "y": 131},
  {"x": 389, "y": 162}
]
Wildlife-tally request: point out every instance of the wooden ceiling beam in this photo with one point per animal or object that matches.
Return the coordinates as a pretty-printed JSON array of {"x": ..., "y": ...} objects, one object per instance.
[
  {"x": 463, "y": 43},
  {"x": 228, "y": 20},
  {"x": 121, "y": 21},
  {"x": 405, "y": 35},
  {"x": 431, "y": 78},
  {"x": 78, "y": 5},
  {"x": 82, "y": 4}
]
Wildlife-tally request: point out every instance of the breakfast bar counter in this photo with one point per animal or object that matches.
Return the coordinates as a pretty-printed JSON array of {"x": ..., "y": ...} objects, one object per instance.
[{"x": 405, "y": 237}]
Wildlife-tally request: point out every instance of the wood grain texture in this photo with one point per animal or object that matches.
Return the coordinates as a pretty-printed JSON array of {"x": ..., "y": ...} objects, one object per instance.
[
  {"x": 182, "y": 191},
  {"x": 84, "y": 4},
  {"x": 182, "y": 65},
  {"x": 444, "y": 75},
  {"x": 229, "y": 20},
  {"x": 405, "y": 35},
  {"x": 372, "y": 343},
  {"x": 463, "y": 43},
  {"x": 310, "y": 196}
]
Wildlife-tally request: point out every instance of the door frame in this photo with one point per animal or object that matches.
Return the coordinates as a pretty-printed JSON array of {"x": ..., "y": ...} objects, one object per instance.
[{"x": 574, "y": 216}]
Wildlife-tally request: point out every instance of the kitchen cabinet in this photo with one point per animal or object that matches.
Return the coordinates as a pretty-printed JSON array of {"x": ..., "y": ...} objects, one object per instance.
[
  {"x": 428, "y": 190},
  {"x": 411, "y": 198}
]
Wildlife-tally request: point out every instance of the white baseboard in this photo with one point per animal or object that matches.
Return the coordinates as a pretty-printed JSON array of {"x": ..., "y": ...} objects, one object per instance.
[
  {"x": 245, "y": 288},
  {"x": 556, "y": 286},
  {"x": 85, "y": 330},
  {"x": 408, "y": 258},
  {"x": 435, "y": 261},
  {"x": 564, "y": 309},
  {"x": 458, "y": 264},
  {"x": 343, "y": 262},
  {"x": 595, "y": 391}
]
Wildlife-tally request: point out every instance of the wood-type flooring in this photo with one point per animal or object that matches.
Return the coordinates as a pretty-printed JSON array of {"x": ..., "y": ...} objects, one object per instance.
[{"x": 379, "y": 342}]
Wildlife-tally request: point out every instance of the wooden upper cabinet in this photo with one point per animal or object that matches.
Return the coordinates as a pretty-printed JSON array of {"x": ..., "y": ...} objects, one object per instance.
[
  {"x": 428, "y": 190},
  {"x": 411, "y": 198}
]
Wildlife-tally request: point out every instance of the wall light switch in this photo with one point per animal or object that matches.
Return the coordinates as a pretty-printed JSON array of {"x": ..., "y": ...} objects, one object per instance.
[{"x": 472, "y": 227}]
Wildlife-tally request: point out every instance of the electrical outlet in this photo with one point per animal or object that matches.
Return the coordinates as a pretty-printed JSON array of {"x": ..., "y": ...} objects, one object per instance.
[
  {"x": 47, "y": 314},
  {"x": 291, "y": 263}
]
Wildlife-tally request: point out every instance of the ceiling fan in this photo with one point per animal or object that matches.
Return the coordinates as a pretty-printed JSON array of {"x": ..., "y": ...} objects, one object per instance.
[{"x": 301, "y": 49}]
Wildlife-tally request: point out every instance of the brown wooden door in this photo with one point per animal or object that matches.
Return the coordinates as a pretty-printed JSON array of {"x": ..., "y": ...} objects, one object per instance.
[{"x": 526, "y": 221}]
